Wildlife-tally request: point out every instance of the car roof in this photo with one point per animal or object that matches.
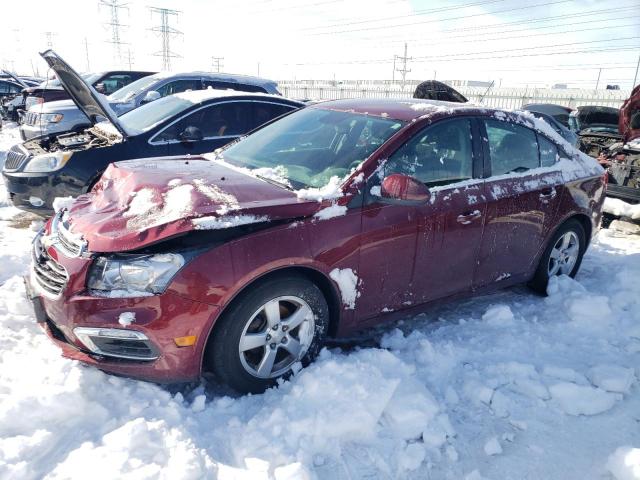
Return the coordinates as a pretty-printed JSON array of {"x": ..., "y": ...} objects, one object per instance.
[
  {"x": 405, "y": 109},
  {"x": 225, "y": 77},
  {"x": 200, "y": 96}
]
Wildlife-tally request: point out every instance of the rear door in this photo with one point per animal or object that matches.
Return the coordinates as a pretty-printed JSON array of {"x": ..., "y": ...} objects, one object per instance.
[{"x": 522, "y": 200}]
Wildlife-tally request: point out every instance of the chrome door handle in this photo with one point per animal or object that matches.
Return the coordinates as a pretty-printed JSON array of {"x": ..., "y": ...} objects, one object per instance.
[
  {"x": 467, "y": 218},
  {"x": 548, "y": 194}
]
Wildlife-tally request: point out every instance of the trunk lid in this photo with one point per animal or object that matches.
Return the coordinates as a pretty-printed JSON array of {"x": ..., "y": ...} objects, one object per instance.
[
  {"x": 141, "y": 202},
  {"x": 83, "y": 94}
]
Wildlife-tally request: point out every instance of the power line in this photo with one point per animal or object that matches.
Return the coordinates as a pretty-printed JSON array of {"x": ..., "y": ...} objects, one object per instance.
[
  {"x": 217, "y": 63},
  {"x": 114, "y": 7},
  {"x": 433, "y": 20},
  {"x": 166, "y": 32},
  {"x": 414, "y": 14}
]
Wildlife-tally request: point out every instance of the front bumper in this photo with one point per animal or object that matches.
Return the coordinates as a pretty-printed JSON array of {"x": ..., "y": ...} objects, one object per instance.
[
  {"x": 160, "y": 318},
  {"x": 35, "y": 192}
]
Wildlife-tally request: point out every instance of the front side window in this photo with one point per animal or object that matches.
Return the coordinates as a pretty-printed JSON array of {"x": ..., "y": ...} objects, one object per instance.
[
  {"x": 513, "y": 148},
  {"x": 438, "y": 155},
  {"x": 264, "y": 112},
  {"x": 146, "y": 117},
  {"x": 221, "y": 120},
  {"x": 313, "y": 145},
  {"x": 114, "y": 82}
]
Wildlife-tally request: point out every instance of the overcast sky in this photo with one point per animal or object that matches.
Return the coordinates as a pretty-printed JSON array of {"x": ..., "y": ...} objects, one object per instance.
[{"x": 508, "y": 41}]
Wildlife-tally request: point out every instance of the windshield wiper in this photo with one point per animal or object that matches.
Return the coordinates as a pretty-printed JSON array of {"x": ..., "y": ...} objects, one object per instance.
[{"x": 274, "y": 182}]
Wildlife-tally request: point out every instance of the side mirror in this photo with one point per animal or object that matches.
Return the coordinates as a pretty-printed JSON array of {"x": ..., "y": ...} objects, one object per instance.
[
  {"x": 191, "y": 134},
  {"x": 150, "y": 96},
  {"x": 404, "y": 188}
]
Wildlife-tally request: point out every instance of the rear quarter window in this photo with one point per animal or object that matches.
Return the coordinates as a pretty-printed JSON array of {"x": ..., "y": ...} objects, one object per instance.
[{"x": 548, "y": 152}]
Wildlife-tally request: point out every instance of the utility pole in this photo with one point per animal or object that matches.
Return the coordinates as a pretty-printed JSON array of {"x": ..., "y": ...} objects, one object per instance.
[
  {"x": 166, "y": 32},
  {"x": 635, "y": 77},
  {"x": 129, "y": 57},
  {"x": 258, "y": 69},
  {"x": 393, "y": 75},
  {"x": 598, "y": 81},
  {"x": 114, "y": 7},
  {"x": 86, "y": 51},
  {"x": 217, "y": 63},
  {"x": 404, "y": 70}
]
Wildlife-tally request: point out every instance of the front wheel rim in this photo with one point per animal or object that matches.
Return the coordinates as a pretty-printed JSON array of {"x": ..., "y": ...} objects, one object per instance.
[
  {"x": 276, "y": 336},
  {"x": 564, "y": 254}
]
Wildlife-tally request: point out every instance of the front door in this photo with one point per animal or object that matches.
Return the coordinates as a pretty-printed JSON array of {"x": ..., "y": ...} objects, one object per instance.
[{"x": 423, "y": 252}]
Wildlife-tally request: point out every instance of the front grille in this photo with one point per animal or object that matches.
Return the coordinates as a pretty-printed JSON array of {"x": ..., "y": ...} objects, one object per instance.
[
  {"x": 50, "y": 276},
  {"x": 71, "y": 245},
  {"x": 131, "y": 349},
  {"x": 31, "y": 118},
  {"x": 15, "y": 158}
]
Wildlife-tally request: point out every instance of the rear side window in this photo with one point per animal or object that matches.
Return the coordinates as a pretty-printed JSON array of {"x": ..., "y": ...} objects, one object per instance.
[
  {"x": 178, "y": 86},
  {"x": 548, "y": 152},
  {"x": 513, "y": 148},
  {"x": 439, "y": 155},
  {"x": 115, "y": 82},
  {"x": 263, "y": 112}
]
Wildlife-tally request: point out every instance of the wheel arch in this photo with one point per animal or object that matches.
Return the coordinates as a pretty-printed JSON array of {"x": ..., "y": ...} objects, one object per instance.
[{"x": 322, "y": 281}]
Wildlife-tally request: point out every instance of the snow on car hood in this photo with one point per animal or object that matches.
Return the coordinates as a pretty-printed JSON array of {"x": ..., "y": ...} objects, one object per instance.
[{"x": 140, "y": 202}]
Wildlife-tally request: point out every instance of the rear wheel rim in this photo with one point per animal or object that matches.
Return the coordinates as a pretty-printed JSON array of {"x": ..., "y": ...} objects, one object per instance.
[
  {"x": 564, "y": 254},
  {"x": 276, "y": 336}
]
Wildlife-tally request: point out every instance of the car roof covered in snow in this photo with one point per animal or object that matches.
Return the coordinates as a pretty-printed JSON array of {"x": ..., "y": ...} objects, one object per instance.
[
  {"x": 222, "y": 77},
  {"x": 405, "y": 109}
]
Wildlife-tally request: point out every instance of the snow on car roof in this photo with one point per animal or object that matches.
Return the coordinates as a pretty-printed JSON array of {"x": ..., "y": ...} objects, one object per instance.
[
  {"x": 199, "y": 96},
  {"x": 224, "y": 77},
  {"x": 396, "y": 108}
]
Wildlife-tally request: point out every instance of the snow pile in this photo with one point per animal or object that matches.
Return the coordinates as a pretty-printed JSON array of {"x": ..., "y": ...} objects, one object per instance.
[
  {"x": 126, "y": 318},
  {"x": 620, "y": 208},
  {"x": 61, "y": 203},
  {"x": 347, "y": 282},
  {"x": 229, "y": 221},
  {"x": 624, "y": 463},
  {"x": 332, "y": 211},
  {"x": 330, "y": 191}
]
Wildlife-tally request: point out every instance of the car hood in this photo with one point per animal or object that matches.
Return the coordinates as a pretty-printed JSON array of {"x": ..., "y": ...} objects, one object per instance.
[
  {"x": 142, "y": 202},
  {"x": 84, "y": 95}
]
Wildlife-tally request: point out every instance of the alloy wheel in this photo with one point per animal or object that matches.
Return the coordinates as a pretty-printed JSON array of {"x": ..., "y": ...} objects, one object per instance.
[
  {"x": 276, "y": 336},
  {"x": 564, "y": 254}
]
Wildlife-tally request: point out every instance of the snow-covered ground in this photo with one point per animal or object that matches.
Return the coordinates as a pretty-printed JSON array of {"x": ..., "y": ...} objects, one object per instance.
[{"x": 506, "y": 386}]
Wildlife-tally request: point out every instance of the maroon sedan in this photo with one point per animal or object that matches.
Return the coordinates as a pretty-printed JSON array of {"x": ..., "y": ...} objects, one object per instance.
[{"x": 333, "y": 218}]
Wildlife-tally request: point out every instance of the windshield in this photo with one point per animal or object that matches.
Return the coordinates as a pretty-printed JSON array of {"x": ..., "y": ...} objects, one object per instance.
[
  {"x": 134, "y": 88},
  {"x": 600, "y": 119},
  {"x": 55, "y": 83},
  {"x": 312, "y": 145},
  {"x": 147, "y": 116}
]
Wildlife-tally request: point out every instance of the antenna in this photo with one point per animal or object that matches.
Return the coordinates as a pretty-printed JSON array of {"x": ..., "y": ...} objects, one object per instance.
[
  {"x": 166, "y": 32},
  {"x": 217, "y": 63},
  {"x": 114, "y": 7}
]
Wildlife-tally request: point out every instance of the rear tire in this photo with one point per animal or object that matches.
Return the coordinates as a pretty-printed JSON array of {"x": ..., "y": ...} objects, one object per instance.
[
  {"x": 562, "y": 256},
  {"x": 266, "y": 331}
]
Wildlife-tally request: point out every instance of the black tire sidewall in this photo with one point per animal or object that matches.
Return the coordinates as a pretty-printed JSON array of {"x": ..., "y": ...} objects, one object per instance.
[
  {"x": 222, "y": 355},
  {"x": 541, "y": 277}
]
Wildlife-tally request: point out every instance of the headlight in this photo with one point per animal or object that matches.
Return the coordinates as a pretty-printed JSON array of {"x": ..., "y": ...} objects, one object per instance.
[
  {"x": 133, "y": 275},
  {"x": 48, "y": 162},
  {"x": 50, "y": 117}
]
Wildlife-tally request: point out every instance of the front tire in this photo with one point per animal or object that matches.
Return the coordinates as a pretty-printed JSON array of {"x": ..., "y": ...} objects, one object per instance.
[
  {"x": 562, "y": 256},
  {"x": 266, "y": 331}
]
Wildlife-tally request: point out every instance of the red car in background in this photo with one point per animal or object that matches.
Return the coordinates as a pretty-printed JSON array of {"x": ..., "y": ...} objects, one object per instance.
[{"x": 336, "y": 217}]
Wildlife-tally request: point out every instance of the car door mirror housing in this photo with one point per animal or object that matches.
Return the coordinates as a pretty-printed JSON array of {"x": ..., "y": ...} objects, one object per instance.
[
  {"x": 150, "y": 96},
  {"x": 404, "y": 188},
  {"x": 191, "y": 134}
]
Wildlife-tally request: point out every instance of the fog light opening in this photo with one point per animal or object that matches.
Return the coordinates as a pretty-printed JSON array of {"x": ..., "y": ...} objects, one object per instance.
[{"x": 185, "y": 341}]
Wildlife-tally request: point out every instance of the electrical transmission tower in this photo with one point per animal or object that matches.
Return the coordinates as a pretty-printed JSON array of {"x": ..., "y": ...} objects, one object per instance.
[
  {"x": 217, "y": 63},
  {"x": 49, "y": 36},
  {"x": 114, "y": 7},
  {"x": 166, "y": 32},
  {"x": 403, "y": 70}
]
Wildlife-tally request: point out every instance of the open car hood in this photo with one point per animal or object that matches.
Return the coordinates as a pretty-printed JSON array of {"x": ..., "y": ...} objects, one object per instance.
[
  {"x": 16, "y": 79},
  {"x": 83, "y": 94},
  {"x": 141, "y": 202}
]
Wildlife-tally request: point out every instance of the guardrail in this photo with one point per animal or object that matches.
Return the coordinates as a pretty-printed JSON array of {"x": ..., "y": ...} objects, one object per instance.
[{"x": 508, "y": 98}]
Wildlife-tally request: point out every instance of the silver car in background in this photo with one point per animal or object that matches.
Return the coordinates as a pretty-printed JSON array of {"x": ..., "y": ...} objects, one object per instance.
[{"x": 63, "y": 115}]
